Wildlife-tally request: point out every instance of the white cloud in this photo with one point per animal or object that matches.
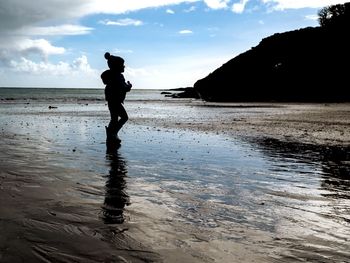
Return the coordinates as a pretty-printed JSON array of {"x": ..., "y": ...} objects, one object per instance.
[
  {"x": 16, "y": 47},
  {"x": 79, "y": 65},
  {"x": 169, "y": 11},
  {"x": 60, "y": 30},
  {"x": 191, "y": 9},
  {"x": 141, "y": 72},
  {"x": 45, "y": 74},
  {"x": 217, "y": 4},
  {"x": 312, "y": 17},
  {"x": 239, "y": 7},
  {"x": 185, "y": 31},
  {"x": 122, "y": 22},
  {"x": 59, "y": 75},
  {"x": 37, "y": 46},
  {"x": 27, "y": 66},
  {"x": 296, "y": 4},
  {"x": 122, "y": 51},
  {"x": 123, "y": 6}
]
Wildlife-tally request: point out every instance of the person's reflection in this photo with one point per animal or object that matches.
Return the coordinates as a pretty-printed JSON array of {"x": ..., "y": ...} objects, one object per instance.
[{"x": 115, "y": 197}]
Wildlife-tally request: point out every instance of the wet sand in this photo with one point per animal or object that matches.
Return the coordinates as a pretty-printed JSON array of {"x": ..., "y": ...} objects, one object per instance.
[
  {"x": 61, "y": 202},
  {"x": 313, "y": 123}
]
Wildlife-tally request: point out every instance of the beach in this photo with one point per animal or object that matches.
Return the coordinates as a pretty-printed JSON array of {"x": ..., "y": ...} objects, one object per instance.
[{"x": 192, "y": 181}]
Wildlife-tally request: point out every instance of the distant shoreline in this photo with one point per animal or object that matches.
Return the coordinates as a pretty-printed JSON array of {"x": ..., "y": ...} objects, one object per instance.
[{"x": 101, "y": 88}]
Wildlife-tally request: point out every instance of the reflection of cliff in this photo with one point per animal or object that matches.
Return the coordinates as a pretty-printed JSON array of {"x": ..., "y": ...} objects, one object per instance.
[
  {"x": 115, "y": 197},
  {"x": 334, "y": 162}
]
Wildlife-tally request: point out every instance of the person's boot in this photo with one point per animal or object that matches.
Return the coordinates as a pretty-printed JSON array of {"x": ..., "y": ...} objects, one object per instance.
[
  {"x": 112, "y": 136},
  {"x": 109, "y": 135},
  {"x": 117, "y": 138}
]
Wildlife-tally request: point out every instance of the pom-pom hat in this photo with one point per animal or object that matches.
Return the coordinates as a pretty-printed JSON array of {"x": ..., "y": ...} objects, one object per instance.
[{"x": 113, "y": 61}]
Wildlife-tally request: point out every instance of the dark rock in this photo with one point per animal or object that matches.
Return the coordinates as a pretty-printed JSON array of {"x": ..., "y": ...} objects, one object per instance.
[{"x": 187, "y": 92}]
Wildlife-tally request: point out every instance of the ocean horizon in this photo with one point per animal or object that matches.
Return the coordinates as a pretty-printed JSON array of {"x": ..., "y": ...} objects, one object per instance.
[{"x": 8, "y": 94}]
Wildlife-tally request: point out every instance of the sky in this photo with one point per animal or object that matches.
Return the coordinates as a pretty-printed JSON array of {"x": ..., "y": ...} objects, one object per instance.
[{"x": 166, "y": 44}]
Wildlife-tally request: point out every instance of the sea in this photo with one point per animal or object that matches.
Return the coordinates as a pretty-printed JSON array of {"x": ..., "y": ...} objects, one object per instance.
[
  {"x": 70, "y": 95},
  {"x": 200, "y": 192}
]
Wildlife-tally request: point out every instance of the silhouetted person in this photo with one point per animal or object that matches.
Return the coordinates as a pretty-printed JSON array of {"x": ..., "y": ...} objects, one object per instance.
[
  {"x": 115, "y": 92},
  {"x": 115, "y": 197}
]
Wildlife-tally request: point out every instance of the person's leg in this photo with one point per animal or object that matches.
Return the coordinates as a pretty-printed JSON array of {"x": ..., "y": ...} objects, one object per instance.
[
  {"x": 123, "y": 117},
  {"x": 113, "y": 110}
]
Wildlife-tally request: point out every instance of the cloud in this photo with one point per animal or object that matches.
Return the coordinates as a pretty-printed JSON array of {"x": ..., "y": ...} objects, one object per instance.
[
  {"x": 122, "y": 22},
  {"x": 19, "y": 14},
  {"x": 123, "y": 51},
  {"x": 23, "y": 47},
  {"x": 27, "y": 27},
  {"x": 185, "y": 32},
  {"x": 191, "y": 9},
  {"x": 296, "y": 4},
  {"x": 217, "y": 4},
  {"x": 77, "y": 74},
  {"x": 143, "y": 72},
  {"x": 25, "y": 65},
  {"x": 279, "y": 5},
  {"x": 312, "y": 17},
  {"x": 39, "y": 45},
  {"x": 79, "y": 65},
  {"x": 61, "y": 30},
  {"x": 124, "y": 6},
  {"x": 239, "y": 7},
  {"x": 169, "y": 11},
  {"x": 21, "y": 20}
]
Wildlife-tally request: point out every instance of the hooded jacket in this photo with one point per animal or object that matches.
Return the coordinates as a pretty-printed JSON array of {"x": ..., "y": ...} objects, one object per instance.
[{"x": 116, "y": 87}]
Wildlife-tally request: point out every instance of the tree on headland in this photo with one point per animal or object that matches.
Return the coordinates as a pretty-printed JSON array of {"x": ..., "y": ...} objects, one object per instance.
[{"x": 334, "y": 15}]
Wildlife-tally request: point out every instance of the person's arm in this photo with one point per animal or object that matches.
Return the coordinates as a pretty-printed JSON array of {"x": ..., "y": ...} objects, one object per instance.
[{"x": 128, "y": 86}]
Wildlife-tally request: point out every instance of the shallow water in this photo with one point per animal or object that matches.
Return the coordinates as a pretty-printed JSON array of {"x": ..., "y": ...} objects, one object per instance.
[{"x": 201, "y": 193}]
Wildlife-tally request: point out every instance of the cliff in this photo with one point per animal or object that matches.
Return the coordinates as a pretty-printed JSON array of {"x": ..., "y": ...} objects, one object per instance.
[{"x": 309, "y": 64}]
